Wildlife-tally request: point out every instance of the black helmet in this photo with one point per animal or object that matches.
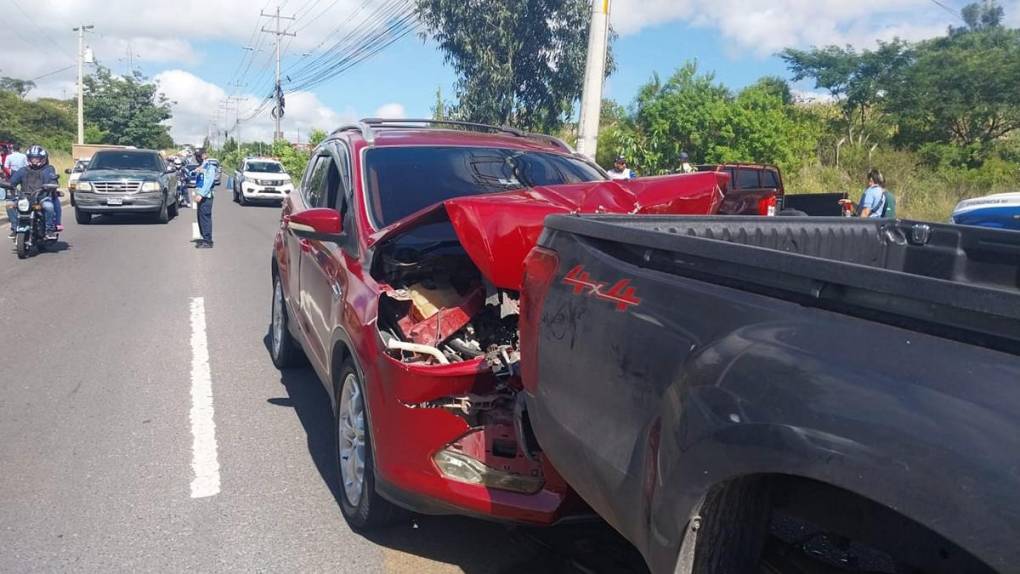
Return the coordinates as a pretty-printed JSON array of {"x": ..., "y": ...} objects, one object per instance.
[{"x": 38, "y": 157}]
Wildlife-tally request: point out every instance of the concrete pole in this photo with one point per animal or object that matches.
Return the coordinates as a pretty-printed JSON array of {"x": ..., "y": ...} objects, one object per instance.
[
  {"x": 278, "y": 135},
  {"x": 594, "y": 78},
  {"x": 81, "y": 81}
]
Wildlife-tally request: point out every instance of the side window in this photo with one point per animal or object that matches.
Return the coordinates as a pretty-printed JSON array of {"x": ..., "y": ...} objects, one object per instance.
[
  {"x": 747, "y": 179},
  {"x": 315, "y": 183},
  {"x": 343, "y": 194},
  {"x": 770, "y": 179}
]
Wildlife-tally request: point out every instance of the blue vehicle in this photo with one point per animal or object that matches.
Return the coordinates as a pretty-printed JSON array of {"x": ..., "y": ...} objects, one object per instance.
[{"x": 1001, "y": 211}]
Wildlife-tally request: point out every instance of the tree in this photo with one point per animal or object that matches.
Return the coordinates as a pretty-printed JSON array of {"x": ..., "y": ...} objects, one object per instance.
[
  {"x": 519, "y": 62},
  {"x": 440, "y": 108},
  {"x": 50, "y": 123},
  {"x": 16, "y": 86},
  {"x": 128, "y": 110},
  {"x": 691, "y": 112},
  {"x": 858, "y": 81},
  {"x": 959, "y": 90},
  {"x": 316, "y": 137},
  {"x": 982, "y": 16}
]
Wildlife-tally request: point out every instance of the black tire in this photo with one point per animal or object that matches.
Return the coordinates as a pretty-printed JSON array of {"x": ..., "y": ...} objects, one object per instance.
[
  {"x": 175, "y": 208},
  {"x": 283, "y": 349},
  {"x": 82, "y": 217},
  {"x": 22, "y": 246},
  {"x": 732, "y": 529},
  {"x": 163, "y": 216},
  {"x": 370, "y": 510},
  {"x": 242, "y": 200}
]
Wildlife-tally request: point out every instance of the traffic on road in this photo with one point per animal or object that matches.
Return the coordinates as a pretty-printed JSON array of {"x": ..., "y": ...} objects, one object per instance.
[{"x": 431, "y": 323}]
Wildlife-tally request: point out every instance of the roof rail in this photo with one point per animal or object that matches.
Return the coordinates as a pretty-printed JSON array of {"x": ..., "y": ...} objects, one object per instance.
[
  {"x": 361, "y": 126},
  {"x": 417, "y": 122},
  {"x": 368, "y": 127},
  {"x": 552, "y": 140}
]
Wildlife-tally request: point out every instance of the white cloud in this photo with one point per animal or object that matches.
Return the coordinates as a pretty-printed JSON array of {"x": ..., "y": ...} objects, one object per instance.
[
  {"x": 392, "y": 110},
  {"x": 763, "y": 27},
  {"x": 196, "y": 102}
]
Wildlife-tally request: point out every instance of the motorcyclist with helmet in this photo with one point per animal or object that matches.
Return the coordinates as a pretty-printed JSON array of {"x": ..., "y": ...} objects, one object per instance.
[
  {"x": 32, "y": 178},
  {"x": 184, "y": 197}
]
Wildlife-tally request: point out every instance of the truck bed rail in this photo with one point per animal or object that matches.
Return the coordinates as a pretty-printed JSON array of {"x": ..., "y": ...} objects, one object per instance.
[{"x": 951, "y": 281}]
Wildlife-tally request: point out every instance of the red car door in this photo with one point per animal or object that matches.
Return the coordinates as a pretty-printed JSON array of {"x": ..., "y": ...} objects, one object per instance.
[
  {"x": 321, "y": 269},
  {"x": 294, "y": 247}
]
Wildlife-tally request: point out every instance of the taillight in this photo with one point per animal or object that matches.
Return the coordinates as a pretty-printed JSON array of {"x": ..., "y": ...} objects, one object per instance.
[
  {"x": 540, "y": 268},
  {"x": 767, "y": 206}
]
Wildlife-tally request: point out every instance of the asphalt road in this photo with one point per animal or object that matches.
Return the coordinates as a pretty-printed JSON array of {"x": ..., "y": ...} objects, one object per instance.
[{"x": 96, "y": 423}]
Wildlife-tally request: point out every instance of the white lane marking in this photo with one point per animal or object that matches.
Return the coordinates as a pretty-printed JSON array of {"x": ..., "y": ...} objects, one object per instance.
[
  {"x": 195, "y": 233},
  {"x": 203, "y": 426}
]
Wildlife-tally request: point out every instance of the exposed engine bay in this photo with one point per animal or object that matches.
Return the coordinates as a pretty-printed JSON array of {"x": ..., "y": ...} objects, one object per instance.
[{"x": 439, "y": 308}]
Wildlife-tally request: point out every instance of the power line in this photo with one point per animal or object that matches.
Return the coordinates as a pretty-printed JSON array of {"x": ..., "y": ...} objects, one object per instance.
[
  {"x": 54, "y": 72},
  {"x": 387, "y": 24},
  {"x": 40, "y": 30},
  {"x": 947, "y": 9}
]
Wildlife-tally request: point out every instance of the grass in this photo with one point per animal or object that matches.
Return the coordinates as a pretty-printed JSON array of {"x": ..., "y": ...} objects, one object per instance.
[{"x": 61, "y": 161}]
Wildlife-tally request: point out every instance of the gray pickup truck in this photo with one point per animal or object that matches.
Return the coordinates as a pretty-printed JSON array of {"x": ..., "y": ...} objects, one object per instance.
[
  {"x": 782, "y": 394},
  {"x": 126, "y": 181}
]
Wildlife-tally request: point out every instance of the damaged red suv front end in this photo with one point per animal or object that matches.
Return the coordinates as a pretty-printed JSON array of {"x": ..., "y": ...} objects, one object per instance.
[{"x": 426, "y": 305}]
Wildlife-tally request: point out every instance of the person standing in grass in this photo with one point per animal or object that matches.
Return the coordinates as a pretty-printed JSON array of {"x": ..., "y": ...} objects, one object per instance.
[{"x": 876, "y": 200}]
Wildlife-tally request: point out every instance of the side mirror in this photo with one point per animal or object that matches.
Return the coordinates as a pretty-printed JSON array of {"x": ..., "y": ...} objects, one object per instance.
[
  {"x": 321, "y": 223},
  {"x": 67, "y": 171}
]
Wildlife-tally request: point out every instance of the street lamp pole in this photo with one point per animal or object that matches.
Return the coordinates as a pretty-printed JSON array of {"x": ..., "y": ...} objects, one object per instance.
[{"x": 81, "y": 80}]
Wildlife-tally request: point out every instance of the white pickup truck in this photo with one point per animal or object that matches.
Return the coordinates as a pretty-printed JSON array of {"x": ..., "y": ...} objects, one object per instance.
[{"x": 261, "y": 179}]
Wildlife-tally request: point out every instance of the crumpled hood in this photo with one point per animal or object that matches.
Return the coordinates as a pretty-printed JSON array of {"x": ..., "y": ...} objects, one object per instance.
[{"x": 498, "y": 230}]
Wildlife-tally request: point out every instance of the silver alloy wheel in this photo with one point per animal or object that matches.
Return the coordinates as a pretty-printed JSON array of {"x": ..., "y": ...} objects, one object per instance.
[
  {"x": 351, "y": 437},
  {"x": 278, "y": 325}
]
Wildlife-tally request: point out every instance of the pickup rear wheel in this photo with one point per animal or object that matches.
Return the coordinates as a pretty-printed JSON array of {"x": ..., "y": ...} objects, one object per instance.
[
  {"x": 730, "y": 531},
  {"x": 360, "y": 504}
]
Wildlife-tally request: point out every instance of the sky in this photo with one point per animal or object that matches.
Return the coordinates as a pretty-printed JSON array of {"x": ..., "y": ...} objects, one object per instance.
[{"x": 201, "y": 52}]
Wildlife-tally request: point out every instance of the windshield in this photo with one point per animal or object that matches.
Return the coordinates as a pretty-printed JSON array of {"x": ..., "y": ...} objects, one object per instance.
[
  {"x": 127, "y": 161},
  {"x": 402, "y": 180},
  {"x": 265, "y": 167}
]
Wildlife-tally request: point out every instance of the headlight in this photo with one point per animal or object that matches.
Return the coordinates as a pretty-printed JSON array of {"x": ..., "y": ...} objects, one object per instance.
[
  {"x": 23, "y": 204},
  {"x": 150, "y": 186},
  {"x": 84, "y": 186}
]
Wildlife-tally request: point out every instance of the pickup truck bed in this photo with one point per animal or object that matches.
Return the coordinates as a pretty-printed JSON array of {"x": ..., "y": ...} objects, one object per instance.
[{"x": 863, "y": 372}]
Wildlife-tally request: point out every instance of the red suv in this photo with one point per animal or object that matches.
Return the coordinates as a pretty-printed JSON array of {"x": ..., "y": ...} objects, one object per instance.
[{"x": 397, "y": 270}]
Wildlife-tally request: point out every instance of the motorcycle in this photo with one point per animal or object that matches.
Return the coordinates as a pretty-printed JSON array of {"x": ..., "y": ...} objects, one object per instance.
[
  {"x": 183, "y": 195},
  {"x": 30, "y": 229}
]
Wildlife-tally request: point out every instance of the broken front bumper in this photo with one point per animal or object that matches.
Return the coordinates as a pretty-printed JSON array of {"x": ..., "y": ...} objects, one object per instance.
[{"x": 442, "y": 446}]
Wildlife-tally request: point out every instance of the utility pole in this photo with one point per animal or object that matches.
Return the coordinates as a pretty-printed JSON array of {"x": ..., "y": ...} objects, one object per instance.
[
  {"x": 594, "y": 78},
  {"x": 278, "y": 92},
  {"x": 81, "y": 80}
]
